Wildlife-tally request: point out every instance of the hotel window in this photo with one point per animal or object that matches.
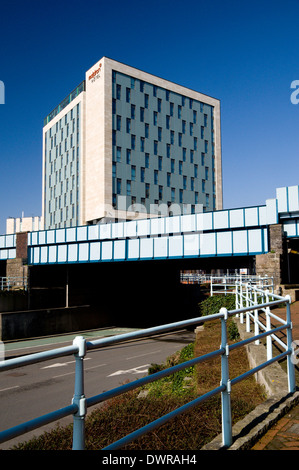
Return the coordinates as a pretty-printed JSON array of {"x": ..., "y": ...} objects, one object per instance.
[
  {"x": 195, "y": 143},
  {"x": 133, "y": 141},
  {"x": 195, "y": 171},
  {"x": 113, "y": 169},
  {"x": 167, "y": 95},
  {"x": 118, "y": 123},
  {"x": 196, "y": 198},
  {"x": 155, "y": 118},
  {"x": 133, "y": 172},
  {"x": 132, "y": 83},
  {"x": 192, "y": 184},
  {"x": 142, "y": 114},
  {"x": 141, "y": 86},
  {"x": 203, "y": 186},
  {"x": 167, "y": 122},
  {"x": 160, "y": 193},
  {"x": 155, "y": 147},
  {"x": 181, "y": 196},
  {"x": 191, "y": 156},
  {"x": 128, "y": 125},
  {"x": 172, "y": 194},
  {"x": 118, "y": 91},
  {"x": 194, "y": 116},
  {"x": 128, "y": 156},
  {"x": 206, "y": 146},
  {"x": 172, "y": 165},
  {"x": 191, "y": 129},
  {"x": 183, "y": 127},
  {"x": 159, "y": 105},
  {"x": 146, "y": 101},
  {"x": 205, "y": 116},
  {"x": 141, "y": 144},
  {"x": 180, "y": 167},
  {"x": 146, "y": 130},
  {"x": 113, "y": 105},
  {"x": 132, "y": 111},
  {"x": 179, "y": 111},
  {"x": 147, "y": 190},
  {"x": 171, "y": 109},
  {"x": 118, "y": 154},
  {"x": 147, "y": 160},
  {"x": 172, "y": 137},
  {"x": 156, "y": 177},
  {"x": 160, "y": 163},
  {"x": 202, "y": 159},
  {"x": 184, "y": 154},
  {"x": 142, "y": 174},
  {"x": 155, "y": 90},
  {"x": 168, "y": 150},
  {"x": 180, "y": 139},
  {"x": 168, "y": 180},
  {"x": 190, "y": 103},
  {"x": 128, "y": 188},
  {"x": 118, "y": 186},
  {"x": 159, "y": 134},
  {"x": 206, "y": 173},
  {"x": 207, "y": 200},
  {"x": 202, "y": 132},
  {"x": 128, "y": 95},
  {"x": 183, "y": 100}
]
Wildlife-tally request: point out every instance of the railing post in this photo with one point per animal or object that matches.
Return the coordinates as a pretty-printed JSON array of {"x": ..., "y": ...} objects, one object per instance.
[
  {"x": 268, "y": 326},
  {"x": 79, "y": 397},
  {"x": 290, "y": 357},
  {"x": 247, "y": 313},
  {"x": 225, "y": 395},
  {"x": 256, "y": 318}
]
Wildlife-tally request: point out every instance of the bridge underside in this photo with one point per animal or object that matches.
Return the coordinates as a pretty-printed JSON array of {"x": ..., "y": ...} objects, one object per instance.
[{"x": 136, "y": 294}]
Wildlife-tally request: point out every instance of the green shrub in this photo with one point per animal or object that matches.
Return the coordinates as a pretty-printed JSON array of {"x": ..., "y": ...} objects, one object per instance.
[{"x": 213, "y": 304}]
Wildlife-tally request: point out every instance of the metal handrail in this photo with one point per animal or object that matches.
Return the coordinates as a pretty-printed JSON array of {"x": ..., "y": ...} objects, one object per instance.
[{"x": 80, "y": 403}]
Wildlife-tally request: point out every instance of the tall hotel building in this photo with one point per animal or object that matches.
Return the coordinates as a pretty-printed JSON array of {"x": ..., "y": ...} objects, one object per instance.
[{"x": 125, "y": 143}]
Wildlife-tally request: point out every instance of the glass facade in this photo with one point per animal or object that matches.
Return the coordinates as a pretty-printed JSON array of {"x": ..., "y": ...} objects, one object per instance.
[
  {"x": 163, "y": 146},
  {"x": 62, "y": 171}
]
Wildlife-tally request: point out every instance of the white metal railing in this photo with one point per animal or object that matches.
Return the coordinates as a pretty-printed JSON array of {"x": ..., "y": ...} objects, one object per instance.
[
  {"x": 80, "y": 347},
  {"x": 13, "y": 282},
  {"x": 227, "y": 284}
]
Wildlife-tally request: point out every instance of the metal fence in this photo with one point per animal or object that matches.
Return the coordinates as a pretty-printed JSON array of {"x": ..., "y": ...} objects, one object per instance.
[
  {"x": 80, "y": 347},
  {"x": 11, "y": 283}
]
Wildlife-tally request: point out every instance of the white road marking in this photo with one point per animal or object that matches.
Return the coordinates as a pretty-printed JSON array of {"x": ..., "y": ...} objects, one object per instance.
[
  {"x": 62, "y": 364},
  {"x": 134, "y": 370},
  {"x": 9, "y": 388},
  {"x": 145, "y": 354}
]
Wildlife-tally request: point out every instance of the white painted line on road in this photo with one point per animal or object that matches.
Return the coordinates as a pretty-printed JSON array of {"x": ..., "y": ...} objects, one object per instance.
[
  {"x": 145, "y": 354},
  {"x": 61, "y": 364},
  {"x": 9, "y": 388},
  {"x": 94, "y": 367},
  {"x": 134, "y": 370}
]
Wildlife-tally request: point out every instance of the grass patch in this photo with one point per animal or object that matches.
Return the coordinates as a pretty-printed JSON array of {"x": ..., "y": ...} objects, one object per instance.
[{"x": 190, "y": 431}]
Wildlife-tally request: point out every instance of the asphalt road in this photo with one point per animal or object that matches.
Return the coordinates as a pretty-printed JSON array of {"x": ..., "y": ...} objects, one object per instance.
[{"x": 34, "y": 390}]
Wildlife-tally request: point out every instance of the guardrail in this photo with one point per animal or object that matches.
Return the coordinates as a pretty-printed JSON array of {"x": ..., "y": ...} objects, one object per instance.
[
  {"x": 79, "y": 348},
  {"x": 10, "y": 283}
]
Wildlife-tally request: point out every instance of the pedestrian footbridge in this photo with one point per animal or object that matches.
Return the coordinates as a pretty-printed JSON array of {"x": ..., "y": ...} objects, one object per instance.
[{"x": 231, "y": 232}]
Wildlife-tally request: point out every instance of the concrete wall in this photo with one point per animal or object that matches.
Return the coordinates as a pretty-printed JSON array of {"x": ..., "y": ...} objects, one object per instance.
[{"x": 38, "y": 323}]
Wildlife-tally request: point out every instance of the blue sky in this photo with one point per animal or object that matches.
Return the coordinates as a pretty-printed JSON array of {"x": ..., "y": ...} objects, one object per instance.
[{"x": 243, "y": 53}]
